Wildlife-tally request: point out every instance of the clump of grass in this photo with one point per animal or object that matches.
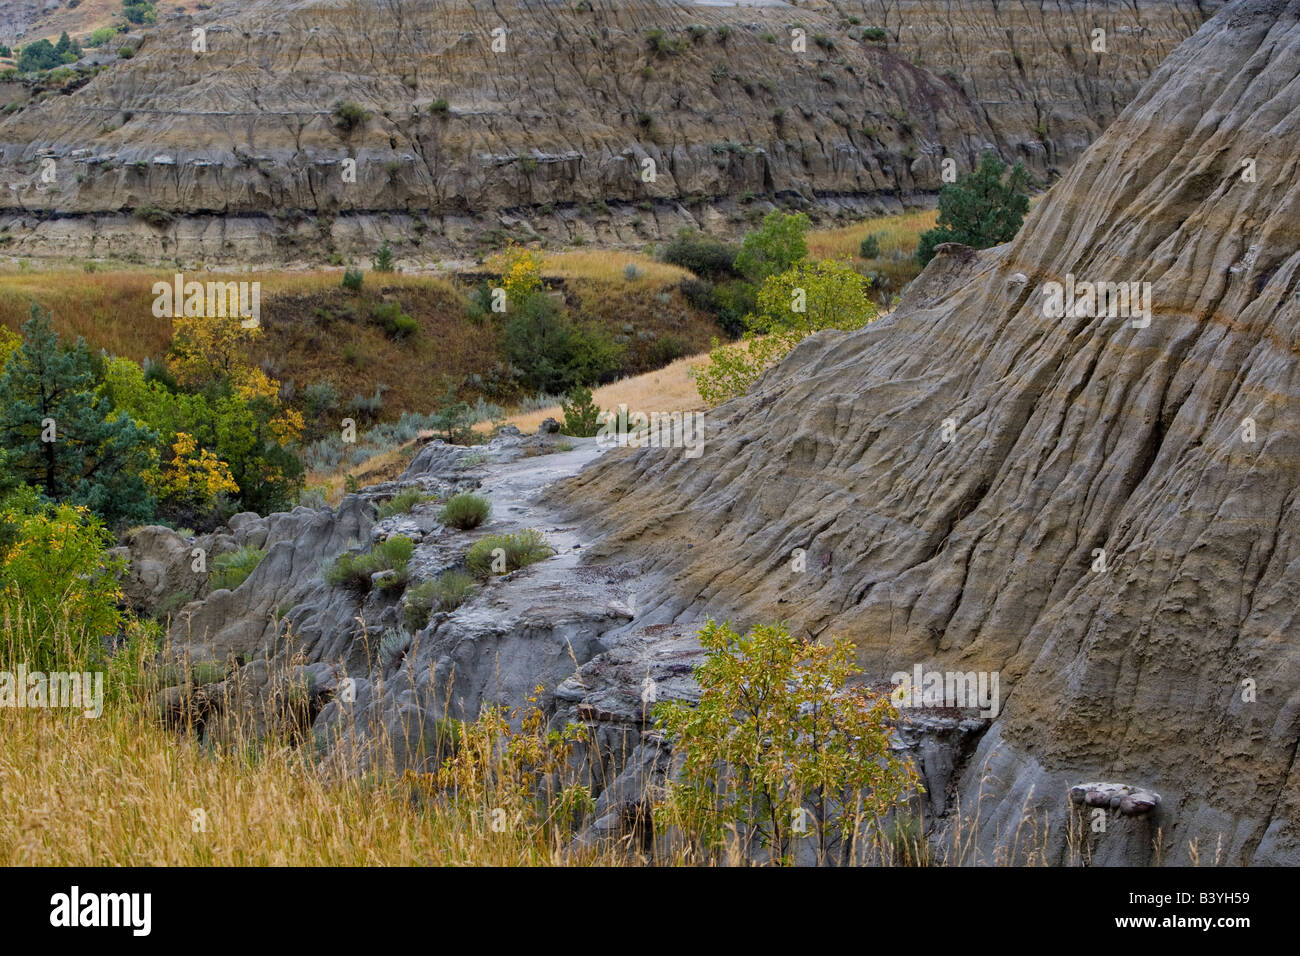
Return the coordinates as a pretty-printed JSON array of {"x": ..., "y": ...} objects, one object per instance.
[
  {"x": 906, "y": 843},
  {"x": 357, "y": 571},
  {"x": 230, "y": 570},
  {"x": 465, "y": 511},
  {"x": 446, "y": 592},
  {"x": 519, "y": 550},
  {"x": 403, "y": 501}
]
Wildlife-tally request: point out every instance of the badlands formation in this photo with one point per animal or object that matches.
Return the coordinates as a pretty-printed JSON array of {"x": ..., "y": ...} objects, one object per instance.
[
  {"x": 531, "y": 119},
  {"x": 1098, "y": 508},
  {"x": 1173, "y": 448}
]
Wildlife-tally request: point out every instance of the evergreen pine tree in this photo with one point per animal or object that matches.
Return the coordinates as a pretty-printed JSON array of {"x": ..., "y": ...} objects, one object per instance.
[{"x": 59, "y": 433}]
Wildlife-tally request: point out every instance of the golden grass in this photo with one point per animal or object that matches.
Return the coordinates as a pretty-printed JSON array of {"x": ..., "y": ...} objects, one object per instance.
[
  {"x": 608, "y": 265},
  {"x": 900, "y": 233},
  {"x": 122, "y": 791},
  {"x": 670, "y": 389}
]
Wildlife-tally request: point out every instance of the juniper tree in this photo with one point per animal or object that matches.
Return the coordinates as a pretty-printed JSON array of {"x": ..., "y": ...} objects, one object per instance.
[
  {"x": 981, "y": 209},
  {"x": 60, "y": 434}
]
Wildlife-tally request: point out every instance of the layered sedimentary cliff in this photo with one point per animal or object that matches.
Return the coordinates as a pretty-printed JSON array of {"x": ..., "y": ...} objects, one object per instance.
[
  {"x": 1099, "y": 509},
  {"x": 609, "y": 121}
]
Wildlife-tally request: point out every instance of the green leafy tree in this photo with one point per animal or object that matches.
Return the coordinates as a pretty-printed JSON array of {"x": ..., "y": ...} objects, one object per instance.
[
  {"x": 779, "y": 748},
  {"x": 806, "y": 298},
  {"x": 454, "y": 417},
  {"x": 811, "y": 296},
  {"x": 38, "y": 56},
  {"x": 774, "y": 247},
  {"x": 67, "y": 47},
  {"x": 139, "y": 12},
  {"x": 981, "y": 209},
  {"x": 552, "y": 352},
  {"x": 58, "y": 589},
  {"x": 240, "y": 430},
  {"x": 62, "y": 436}
]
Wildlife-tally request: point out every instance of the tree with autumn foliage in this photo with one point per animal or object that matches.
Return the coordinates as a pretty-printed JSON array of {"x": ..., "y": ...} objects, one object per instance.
[
  {"x": 247, "y": 425},
  {"x": 780, "y": 748},
  {"x": 521, "y": 273}
]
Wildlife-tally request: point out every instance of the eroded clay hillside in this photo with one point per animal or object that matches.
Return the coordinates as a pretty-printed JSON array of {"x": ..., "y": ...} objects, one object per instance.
[
  {"x": 244, "y": 153},
  {"x": 1099, "y": 508}
]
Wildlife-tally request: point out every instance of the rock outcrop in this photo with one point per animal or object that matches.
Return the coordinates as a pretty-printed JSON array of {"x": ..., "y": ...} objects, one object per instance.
[
  {"x": 319, "y": 128},
  {"x": 1100, "y": 508}
]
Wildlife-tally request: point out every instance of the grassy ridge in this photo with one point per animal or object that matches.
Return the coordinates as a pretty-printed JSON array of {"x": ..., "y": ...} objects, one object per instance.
[{"x": 316, "y": 331}]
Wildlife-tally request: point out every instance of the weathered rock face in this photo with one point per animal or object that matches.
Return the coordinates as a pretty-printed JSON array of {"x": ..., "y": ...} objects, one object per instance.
[
  {"x": 236, "y": 154},
  {"x": 1101, "y": 513}
]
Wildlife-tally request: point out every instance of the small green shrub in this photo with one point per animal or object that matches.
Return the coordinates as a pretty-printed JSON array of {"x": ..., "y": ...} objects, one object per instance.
[
  {"x": 396, "y": 324},
  {"x": 703, "y": 255},
  {"x": 660, "y": 45},
  {"x": 154, "y": 216},
  {"x": 349, "y": 115},
  {"x": 402, "y": 502},
  {"x": 101, "y": 36},
  {"x": 230, "y": 570},
  {"x": 352, "y": 279},
  {"x": 581, "y": 414},
  {"x": 870, "y": 248},
  {"x": 355, "y": 570},
  {"x": 465, "y": 511},
  {"x": 383, "y": 260},
  {"x": 779, "y": 731},
  {"x": 518, "y": 551},
  {"x": 446, "y": 592}
]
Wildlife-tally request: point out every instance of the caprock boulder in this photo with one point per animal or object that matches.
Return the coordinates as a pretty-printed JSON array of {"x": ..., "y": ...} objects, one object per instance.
[{"x": 1099, "y": 509}]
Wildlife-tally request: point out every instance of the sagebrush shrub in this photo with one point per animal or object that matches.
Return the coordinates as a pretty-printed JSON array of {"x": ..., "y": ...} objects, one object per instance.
[
  {"x": 446, "y": 592},
  {"x": 465, "y": 511}
]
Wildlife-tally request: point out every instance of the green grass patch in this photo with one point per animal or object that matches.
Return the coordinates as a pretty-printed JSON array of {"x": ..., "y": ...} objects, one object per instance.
[
  {"x": 446, "y": 592},
  {"x": 232, "y": 569},
  {"x": 403, "y": 501},
  {"x": 514, "y": 550}
]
